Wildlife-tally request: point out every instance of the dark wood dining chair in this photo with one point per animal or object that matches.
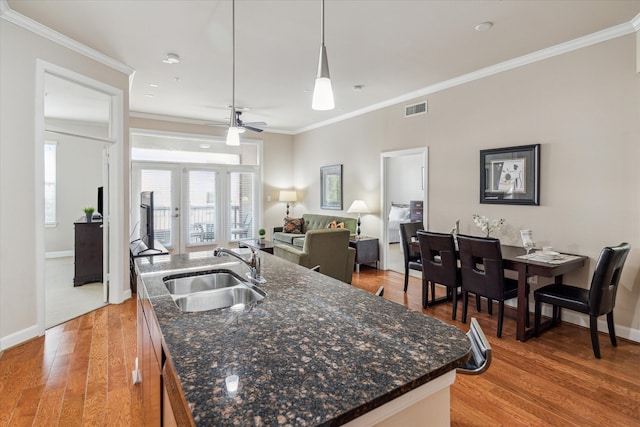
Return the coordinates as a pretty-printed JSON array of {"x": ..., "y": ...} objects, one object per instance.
[
  {"x": 439, "y": 266},
  {"x": 483, "y": 275},
  {"x": 412, "y": 261},
  {"x": 598, "y": 300}
]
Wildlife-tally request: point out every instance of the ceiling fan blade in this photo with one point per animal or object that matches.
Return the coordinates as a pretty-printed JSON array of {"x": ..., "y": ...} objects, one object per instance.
[
  {"x": 255, "y": 123},
  {"x": 251, "y": 128}
]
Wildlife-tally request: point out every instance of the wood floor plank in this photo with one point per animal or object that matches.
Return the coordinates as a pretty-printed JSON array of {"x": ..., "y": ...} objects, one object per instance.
[{"x": 550, "y": 380}]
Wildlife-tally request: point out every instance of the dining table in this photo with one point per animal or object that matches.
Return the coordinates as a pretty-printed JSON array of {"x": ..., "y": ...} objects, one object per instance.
[{"x": 515, "y": 258}]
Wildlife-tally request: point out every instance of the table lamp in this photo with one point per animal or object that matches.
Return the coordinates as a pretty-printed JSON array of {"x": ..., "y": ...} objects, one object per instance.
[
  {"x": 288, "y": 196},
  {"x": 358, "y": 206}
]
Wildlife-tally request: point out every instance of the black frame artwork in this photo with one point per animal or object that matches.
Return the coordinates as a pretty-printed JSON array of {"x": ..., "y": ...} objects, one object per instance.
[
  {"x": 331, "y": 187},
  {"x": 510, "y": 175}
]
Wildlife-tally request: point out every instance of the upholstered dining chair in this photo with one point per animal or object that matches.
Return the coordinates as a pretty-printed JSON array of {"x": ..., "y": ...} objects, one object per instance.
[
  {"x": 412, "y": 261},
  {"x": 483, "y": 274},
  {"x": 439, "y": 265},
  {"x": 596, "y": 301}
]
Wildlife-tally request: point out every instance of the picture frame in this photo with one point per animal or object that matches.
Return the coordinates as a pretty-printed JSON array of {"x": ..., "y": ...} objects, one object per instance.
[
  {"x": 510, "y": 175},
  {"x": 331, "y": 187}
]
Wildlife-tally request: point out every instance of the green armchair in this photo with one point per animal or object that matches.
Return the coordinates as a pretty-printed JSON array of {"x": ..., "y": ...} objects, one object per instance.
[{"x": 328, "y": 248}]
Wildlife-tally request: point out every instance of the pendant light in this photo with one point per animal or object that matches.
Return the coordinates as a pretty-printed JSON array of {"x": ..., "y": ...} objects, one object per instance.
[
  {"x": 322, "y": 92},
  {"x": 233, "y": 133}
]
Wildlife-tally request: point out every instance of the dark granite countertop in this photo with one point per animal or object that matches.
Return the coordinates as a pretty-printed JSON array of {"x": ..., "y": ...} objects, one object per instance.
[{"x": 315, "y": 351}]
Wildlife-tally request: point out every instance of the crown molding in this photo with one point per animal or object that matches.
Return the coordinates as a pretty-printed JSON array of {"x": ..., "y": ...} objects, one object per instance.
[
  {"x": 35, "y": 27},
  {"x": 562, "y": 48}
]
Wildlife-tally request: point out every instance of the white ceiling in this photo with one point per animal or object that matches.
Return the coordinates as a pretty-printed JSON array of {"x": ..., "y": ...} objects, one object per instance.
[{"x": 391, "y": 48}]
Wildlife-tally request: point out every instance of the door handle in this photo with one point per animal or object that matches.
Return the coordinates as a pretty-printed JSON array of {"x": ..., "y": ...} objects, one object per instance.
[{"x": 175, "y": 216}]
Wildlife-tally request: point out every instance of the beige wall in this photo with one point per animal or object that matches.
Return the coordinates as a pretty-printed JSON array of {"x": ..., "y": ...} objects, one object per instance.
[
  {"x": 583, "y": 107},
  {"x": 277, "y": 158},
  {"x": 18, "y": 250}
]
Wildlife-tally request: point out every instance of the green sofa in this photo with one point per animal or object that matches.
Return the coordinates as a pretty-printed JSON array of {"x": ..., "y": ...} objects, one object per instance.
[
  {"x": 326, "y": 248},
  {"x": 311, "y": 222}
]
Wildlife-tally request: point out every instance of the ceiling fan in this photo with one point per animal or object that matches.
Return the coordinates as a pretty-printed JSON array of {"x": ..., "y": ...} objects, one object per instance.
[{"x": 247, "y": 125}]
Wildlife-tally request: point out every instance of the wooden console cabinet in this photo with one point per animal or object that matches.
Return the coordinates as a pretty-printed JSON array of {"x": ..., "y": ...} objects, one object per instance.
[{"x": 88, "y": 251}]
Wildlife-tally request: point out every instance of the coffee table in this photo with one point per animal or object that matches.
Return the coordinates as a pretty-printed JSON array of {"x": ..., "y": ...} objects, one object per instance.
[{"x": 261, "y": 244}]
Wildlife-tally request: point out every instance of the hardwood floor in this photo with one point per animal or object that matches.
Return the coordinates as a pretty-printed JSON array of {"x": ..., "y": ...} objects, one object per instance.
[{"x": 79, "y": 373}]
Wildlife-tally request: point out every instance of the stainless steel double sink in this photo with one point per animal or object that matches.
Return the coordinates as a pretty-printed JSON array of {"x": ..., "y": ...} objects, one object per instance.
[{"x": 210, "y": 290}]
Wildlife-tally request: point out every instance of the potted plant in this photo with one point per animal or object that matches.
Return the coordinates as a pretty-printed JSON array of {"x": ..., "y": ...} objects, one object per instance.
[
  {"x": 88, "y": 211},
  {"x": 262, "y": 233}
]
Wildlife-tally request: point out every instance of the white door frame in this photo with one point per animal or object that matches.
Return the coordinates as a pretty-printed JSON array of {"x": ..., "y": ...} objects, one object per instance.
[
  {"x": 114, "y": 187},
  {"x": 384, "y": 197}
]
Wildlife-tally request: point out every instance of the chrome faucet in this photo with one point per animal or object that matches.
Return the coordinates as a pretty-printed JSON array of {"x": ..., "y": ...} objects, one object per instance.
[{"x": 253, "y": 264}]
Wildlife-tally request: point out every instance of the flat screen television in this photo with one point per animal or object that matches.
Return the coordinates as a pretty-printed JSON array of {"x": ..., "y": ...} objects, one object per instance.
[
  {"x": 100, "y": 201},
  {"x": 146, "y": 219}
]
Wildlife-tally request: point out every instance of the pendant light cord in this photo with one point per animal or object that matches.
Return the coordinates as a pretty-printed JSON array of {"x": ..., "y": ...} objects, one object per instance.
[
  {"x": 322, "y": 22},
  {"x": 233, "y": 62}
]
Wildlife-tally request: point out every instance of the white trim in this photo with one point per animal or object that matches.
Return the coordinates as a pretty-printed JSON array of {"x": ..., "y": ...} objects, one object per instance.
[
  {"x": 18, "y": 337},
  {"x": 635, "y": 22},
  {"x": 384, "y": 198},
  {"x": 37, "y": 28},
  {"x": 579, "y": 319},
  {"x": 562, "y": 48},
  {"x": 58, "y": 254}
]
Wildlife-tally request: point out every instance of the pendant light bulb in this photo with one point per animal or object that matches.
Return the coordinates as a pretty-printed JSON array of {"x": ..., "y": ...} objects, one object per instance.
[{"x": 322, "y": 91}]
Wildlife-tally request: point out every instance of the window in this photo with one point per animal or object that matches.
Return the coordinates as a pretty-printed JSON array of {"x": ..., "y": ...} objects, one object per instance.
[{"x": 50, "y": 183}]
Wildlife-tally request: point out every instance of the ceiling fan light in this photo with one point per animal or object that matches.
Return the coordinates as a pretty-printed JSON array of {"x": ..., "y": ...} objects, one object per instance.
[
  {"x": 322, "y": 95},
  {"x": 233, "y": 136}
]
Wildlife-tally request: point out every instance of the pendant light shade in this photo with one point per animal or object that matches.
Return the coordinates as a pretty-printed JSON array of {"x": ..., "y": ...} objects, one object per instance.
[{"x": 322, "y": 92}]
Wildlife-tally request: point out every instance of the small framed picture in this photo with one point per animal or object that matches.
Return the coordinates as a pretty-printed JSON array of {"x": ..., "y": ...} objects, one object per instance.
[
  {"x": 510, "y": 175},
  {"x": 331, "y": 187}
]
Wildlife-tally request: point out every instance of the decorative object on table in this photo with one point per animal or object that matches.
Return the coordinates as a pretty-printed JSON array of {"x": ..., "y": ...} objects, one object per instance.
[
  {"x": 527, "y": 240},
  {"x": 359, "y": 207},
  {"x": 487, "y": 225},
  {"x": 262, "y": 233},
  {"x": 322, "y": 91},
  {"x": 288, "y": 196},
  {"x": 510, "y": 175},
  {"x": 331, "y": 187},
  {"x": 88, "y": 211}
]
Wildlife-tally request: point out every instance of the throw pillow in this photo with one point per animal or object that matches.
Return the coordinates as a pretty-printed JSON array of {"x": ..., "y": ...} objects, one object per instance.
[
  {"x": 332, "y": 224},
  {"x": 340, "y": 225},
  {"x": 293, "y": 225}
]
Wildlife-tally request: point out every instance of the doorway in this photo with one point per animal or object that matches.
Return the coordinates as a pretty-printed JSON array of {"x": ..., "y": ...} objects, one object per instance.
[
  {"x": 404, "y": 180},
  {"x": 82, "y": 116}
]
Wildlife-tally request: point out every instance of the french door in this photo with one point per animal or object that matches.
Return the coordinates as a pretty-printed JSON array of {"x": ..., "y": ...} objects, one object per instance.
[{"x": 196, "y": 207}]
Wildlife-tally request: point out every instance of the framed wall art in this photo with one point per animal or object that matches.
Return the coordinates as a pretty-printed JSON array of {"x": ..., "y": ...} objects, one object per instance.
[
  {"x": 331, "y": 187},
  {"x": 510, "y": 175}
]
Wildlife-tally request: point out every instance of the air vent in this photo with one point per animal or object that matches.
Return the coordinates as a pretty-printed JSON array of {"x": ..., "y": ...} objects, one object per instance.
[{"x": 415, "y": 109}]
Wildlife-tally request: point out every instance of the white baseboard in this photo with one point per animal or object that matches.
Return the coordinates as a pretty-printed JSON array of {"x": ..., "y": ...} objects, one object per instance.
[
  {"x": 19, "y": 337},
  {"x": 580, "y": 319},
  {"x": 58, "y": 254}
]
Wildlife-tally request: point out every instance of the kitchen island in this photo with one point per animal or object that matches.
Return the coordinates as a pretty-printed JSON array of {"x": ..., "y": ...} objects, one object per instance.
[{"x": 314, "y": 351}]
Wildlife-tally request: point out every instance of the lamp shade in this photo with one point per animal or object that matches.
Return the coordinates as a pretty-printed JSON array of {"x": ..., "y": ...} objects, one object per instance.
[
  {"x": 233, "y": 136},
  {"x": 358, "y": 206},
  {"x": 288, "y": 196}
]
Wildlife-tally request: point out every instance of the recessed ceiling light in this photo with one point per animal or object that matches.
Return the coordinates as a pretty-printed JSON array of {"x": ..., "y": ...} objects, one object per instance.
[
  {"x": 149, "y": 95},
  {"x": 205, "y": 145},
  {"x": 484, "y": 26},
  {"x": 153, "y": 85},
  {"x": 172, "y": 58}
]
